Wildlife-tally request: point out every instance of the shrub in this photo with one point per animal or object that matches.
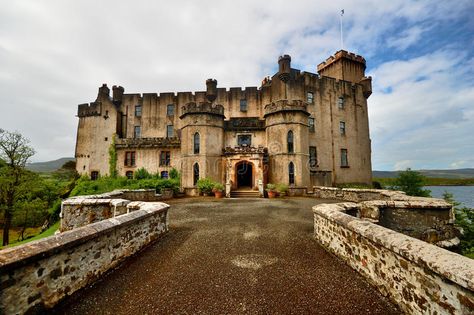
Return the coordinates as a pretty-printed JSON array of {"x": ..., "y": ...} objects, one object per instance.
[
  {"x": 142, "y": 173},
  {"x": 282, "y": 189},
  {"x": 205, "y": 185},
  {"x": 218, "y": 187},
  {"x": 411, "y": 183},
  {"x": 271, "y": 187},
  {"x": 174, "y": 174}
]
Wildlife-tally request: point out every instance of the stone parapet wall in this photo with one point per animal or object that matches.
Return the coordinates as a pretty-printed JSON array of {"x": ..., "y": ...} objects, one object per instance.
[
  {"x": 36, "y": 276},
  {"x": 421, "y": 278}
]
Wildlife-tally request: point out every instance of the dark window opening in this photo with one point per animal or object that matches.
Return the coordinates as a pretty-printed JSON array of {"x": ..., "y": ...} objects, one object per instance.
[
  {"x": 170, "y": 110},
  {"x": 169, "y": 131},
  {"x": 243, "y": 105},
  {"x": 129, "y": 174},
  {"x": 106, "y": 139},
  {"x": 340, "y": 102},
  {"x": 164, "y": 174},
  {"x": 244, "y": 140},
  {"x": 94, "y": 175},
  {"x": 138, "y": 111},
  {"x": 195, "y": 173},
  {"x": 130, "y": 158},
  {"x": 165, "y": 158},
  {"x": 291, "y": 173},
  {"x": 311, "y": 124},
  {"x": 313, "y": 157},
  {"x": 344, "y": 160},
  {"x": 290, "y": 142},
  {"x": 197, "y": 143},
  {"x": 137, "y": 131},
  {"x": 310, "y": 97},
  {"x": 342, "y": 128}
]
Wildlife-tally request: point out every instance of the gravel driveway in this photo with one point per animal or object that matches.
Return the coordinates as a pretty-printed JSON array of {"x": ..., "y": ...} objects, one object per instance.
[{"x": 233, "y": 256}]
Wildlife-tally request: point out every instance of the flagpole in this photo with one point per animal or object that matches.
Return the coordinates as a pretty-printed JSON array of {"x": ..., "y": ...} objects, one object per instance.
[{"x": 342, "y": 38}]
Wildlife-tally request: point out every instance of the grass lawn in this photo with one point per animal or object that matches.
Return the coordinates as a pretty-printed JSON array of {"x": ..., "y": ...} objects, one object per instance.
[{"x": 14, "y": 235}]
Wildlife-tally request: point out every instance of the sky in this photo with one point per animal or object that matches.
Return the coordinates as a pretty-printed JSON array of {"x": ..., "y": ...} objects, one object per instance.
[{"x": 55, "y": 54}]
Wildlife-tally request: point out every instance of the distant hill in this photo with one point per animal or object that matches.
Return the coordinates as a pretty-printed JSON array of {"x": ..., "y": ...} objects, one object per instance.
[
  {"x": 49, "y": 166},
  {"x": 458, "y": 173}
]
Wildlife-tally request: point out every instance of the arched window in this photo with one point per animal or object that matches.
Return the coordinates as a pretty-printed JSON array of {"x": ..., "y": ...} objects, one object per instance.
[
  {"x": 289, "y": 140},
  {"x": 291, "y": 173},
  {"x": 129, "y": 174},
  {"x": 195, "y": 173},
  {"x": 197, "y": 143}
]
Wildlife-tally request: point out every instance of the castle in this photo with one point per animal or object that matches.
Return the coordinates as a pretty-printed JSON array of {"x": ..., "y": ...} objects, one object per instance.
[{"x": 298, "y": 128}]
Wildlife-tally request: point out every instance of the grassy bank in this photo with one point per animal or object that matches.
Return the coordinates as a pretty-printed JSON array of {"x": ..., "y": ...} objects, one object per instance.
[
  {"x": 387, "y": 182},
  {"x": 15, "y": 232}
]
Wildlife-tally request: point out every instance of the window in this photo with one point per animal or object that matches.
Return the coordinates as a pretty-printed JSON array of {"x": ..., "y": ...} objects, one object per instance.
[
  {"x": 170, "y": 110},
  {"x": 243, "y": 105},
  {"x": 289, "y": 140},
  {"x": 169, "y": 131},
  {"x": 164, "y": 174},
  {"x": 344, "y": 161},
  {"x": 342, "y": 128},
  {"x": 244, "y": 140},
  {"x": 106, "y": 139},
  {"x": 94, "y": 175},
  {"x": 197, "y": 143},
  {"x": 313, "y": 157},
  {"x": 129, "y": 174},
  {"x": 137, "y": 131},
  {"x": 310, "y": 97},
  {"x": 195, "y": 173},
  {"x": 340, "y": 102},
  {"x": 311, "y": 124},
  {"x": 291, "y": 173},
  {"x": 130, "y": 158},
  {"x": 165, "y": 158},
  {"x": 138, "y": 111}
]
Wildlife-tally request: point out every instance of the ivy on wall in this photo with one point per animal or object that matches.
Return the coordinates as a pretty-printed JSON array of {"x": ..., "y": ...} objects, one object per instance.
[{"x": 113, "y": 159}]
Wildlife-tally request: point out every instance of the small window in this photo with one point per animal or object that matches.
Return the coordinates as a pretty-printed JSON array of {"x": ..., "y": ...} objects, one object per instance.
[
  {"x": 310, "y": 97},
  {"x": 313, "y": 157},
  {"x": 291, "y": 173},
  {"x": 340, "y": 102},
  {"x": 130, "y": 158},
  {"x": 137, "y": 131},
  {"x": 290, "y": 142},
  {"x": 170, "y": 110},
  {"x": 164, "y": 174},
  {"x": 106, "y": 139},
  {"x": 244, "y": 140},
  {"x": 129, "y": 174},
  {"x": 342, "y": 128},
  {"x": 195, "y": 173},
  {"x": 197, "y": 143},
  {"x": 243, "y": 105},
  {"x": 311, "y": 124},
  {"x": 138, "y": 111},
  {"x": 94, "y": 175},
  {"x": 165, "y": 158},
  {"x": 344, "y": 160},
  {"x": 83, "y": 167},
  {"x": 169, "y": 131}
]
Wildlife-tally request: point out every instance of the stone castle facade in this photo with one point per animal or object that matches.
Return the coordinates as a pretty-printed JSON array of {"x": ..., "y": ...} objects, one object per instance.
[{"x": 297, "y": 128}]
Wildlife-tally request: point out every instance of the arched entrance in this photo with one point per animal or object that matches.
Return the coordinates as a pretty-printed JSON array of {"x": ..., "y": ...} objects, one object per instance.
[{"x": 244, "y": 174}]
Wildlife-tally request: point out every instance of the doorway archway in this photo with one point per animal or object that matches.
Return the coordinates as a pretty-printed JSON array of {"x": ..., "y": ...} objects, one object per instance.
[{"x": 244, "y": 174}]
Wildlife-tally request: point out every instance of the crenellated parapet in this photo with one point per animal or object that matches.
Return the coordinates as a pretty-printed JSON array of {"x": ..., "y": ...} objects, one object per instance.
[
  {"x": 129, "y": 143},
  {"x": 92, "y": 109},
  {"x": 202, "y": 108},
  {"x": 286, "y": 106},
  {"x": 340, "y": 55}
]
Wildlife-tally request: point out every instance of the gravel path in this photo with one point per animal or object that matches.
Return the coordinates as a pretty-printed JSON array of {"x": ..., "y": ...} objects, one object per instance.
[{"x": 233, "y": 256}]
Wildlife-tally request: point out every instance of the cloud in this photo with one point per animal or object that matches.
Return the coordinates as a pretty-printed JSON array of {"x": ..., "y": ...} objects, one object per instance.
[{"x": 55, "y": 54}]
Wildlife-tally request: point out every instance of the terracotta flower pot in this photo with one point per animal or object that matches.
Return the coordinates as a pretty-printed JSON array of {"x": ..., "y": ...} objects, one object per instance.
[
  {"x": 272, "y": 194},
  {"x": 218, "y": 194}
]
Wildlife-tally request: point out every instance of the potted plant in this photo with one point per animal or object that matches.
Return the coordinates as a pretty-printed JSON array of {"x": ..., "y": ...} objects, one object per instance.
[
  {"x": 205, "y": 186},
  {"x": 218, "y": 190},
  {"x": 282, "y": 189},
  {"x": 271, "y": 190}
]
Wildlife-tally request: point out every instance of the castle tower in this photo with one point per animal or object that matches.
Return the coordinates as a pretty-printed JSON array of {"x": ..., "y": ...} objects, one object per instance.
[
  {"x": 287, "y": 142},
  {"x": 347, "y": 67},
  {"x": 202, "y": 141}
]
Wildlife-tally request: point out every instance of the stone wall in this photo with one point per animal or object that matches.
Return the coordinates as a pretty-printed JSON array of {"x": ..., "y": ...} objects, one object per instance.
[
  {"x": 36, "y": 276},
  {"x": 421, "y": 278}
]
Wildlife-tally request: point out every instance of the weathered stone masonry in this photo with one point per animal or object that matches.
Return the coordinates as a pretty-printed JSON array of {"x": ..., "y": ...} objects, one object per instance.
[
  {"x": 421, "y": 278},
  {"x": 35, "y": 276}
]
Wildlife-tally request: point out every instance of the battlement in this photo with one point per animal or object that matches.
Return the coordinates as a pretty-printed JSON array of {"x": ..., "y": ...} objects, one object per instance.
[
  {"x": 340, "y": 55},
  {"x": 92, "y": 109},
  {"x": 202, "y": 108},
  {"x": 286, "y": 106},
  {"x": 128, "y": 143}
]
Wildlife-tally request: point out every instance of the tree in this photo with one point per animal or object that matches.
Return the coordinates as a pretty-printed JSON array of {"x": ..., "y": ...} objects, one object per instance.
[
  {"x": 15, "y": 151},
  {"x": 411, "y": 183}
]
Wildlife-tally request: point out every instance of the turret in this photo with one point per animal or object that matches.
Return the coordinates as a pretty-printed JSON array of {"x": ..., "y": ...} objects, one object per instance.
[
  {"x": 117, "y": 93},
  {"x": 284, "y": 68},
  {"x": 104, "y": 92},
  {"x": 211, "y": 90}
]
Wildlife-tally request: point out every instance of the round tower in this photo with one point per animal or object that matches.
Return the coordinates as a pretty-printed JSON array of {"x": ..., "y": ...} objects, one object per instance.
[
  {"x": 211, "y": 90},
  {"x": 202, "y": 141},
  {"x": 284, "y": 67},
  {"x": 287, "y": 142}
]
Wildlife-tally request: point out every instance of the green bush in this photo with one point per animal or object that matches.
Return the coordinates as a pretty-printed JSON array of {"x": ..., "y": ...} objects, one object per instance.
[
  {"x": 411, "y": 183},
  {"x": 282, "y": 189},
  {"x": 218, "y": 187},
  {"x": 142, "y": 173},
  {"x": 205, "y": 185},
  {"x": 174, "y": 174},
  {"x": 271, "y": 186}
]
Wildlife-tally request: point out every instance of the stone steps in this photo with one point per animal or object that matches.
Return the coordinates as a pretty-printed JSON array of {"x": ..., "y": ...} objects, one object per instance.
[{"x": 245, "y": 194}]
